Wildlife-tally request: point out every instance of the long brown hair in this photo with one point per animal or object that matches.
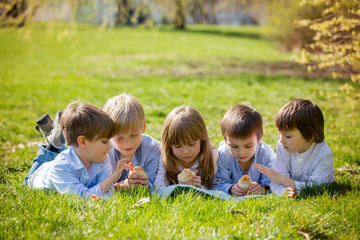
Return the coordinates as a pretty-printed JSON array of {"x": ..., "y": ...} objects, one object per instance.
[{"x": 184, "y": 125}]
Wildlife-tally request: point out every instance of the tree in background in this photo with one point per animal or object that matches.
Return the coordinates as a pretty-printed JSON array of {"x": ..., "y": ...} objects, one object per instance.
[
  {"x": 336, "y": 43},
  {"x": 16, "y": 12},
  {"x": 279, "y": 22},
  {"x": 132, "y": 12}
]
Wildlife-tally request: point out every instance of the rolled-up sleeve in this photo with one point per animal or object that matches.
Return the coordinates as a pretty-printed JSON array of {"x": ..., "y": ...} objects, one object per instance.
[{"x": 64, "y": 180}]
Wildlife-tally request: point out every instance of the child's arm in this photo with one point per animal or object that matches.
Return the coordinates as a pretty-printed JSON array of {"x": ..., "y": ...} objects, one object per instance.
[
  {"x": 160, "y": 181},
  {"x": 223, "y": 180},
  {"x": 152, "y": 163},
  {"x": 275, "y": 176},
  {"x": 108, "y": 182}
]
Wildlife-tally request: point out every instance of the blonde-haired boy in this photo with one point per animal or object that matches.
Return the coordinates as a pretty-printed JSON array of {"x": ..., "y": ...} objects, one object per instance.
[{"x": 130, "y": 143}]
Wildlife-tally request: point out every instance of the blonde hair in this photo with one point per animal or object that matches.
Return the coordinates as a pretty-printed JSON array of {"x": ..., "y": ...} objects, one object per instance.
[
  {"x": 184, "y": 125},
  {"x": 126, "y": 111},
  {"x": 85, "y": 120}
]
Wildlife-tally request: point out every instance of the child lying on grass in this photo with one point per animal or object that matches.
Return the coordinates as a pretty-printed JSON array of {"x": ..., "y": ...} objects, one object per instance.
[
  {"x": 84, "y": 168},
  {"x": 302, "y": 156}
]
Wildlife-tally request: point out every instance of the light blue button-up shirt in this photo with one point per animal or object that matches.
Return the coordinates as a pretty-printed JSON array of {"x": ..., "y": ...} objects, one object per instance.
[
  {"x": 230, "y": 170},
  {"x": 67, "y": 174},
  {"x": 146, "y": 156}
]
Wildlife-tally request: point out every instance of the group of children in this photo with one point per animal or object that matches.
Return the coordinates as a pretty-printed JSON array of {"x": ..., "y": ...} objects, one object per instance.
[{"x": 105, "y": 146}]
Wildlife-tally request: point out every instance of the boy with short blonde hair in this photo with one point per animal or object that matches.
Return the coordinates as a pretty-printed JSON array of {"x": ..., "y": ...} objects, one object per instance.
[
  {"x": 84, "y": 168},
  {"x": 242, "y": 130},
  {"x": 302, "y": 156},
  {"x": 130, "y": 143}
]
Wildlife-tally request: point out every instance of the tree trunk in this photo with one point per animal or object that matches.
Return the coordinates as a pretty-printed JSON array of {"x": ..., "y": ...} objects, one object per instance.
[{"x": 180, "y": 14}]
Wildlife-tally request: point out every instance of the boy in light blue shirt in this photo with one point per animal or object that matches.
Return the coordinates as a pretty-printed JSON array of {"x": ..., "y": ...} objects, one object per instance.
[
  {"x": 242, "y": 147},
  {"x": 84, "y": 168},
  {"x": 129, "y": 142}
]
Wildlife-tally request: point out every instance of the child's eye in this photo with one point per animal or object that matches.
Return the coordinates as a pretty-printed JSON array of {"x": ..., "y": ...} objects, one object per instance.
[
  {"x": 248, "y": 146},
  {"x": 192, "y": 144},
  {"x": 134, "y": 135},
  {"x": 234, "y": 146},
  {"x": 288, "y": 136},
  {"x": 105, "y": 141},
  {"x": 177, "y": 146}
]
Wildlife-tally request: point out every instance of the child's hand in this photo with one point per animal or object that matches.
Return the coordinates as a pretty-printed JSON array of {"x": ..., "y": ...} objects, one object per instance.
[
  {"x": 123, "y": 164},
  {"x": 255, "y": 188},
  {"x": 236, "y": 191},
  {"x": 270, "y": 173},
  {"x": 196, "y": 181},
  {"x": 137, "y": 181},
  {"x": 290, "y": 192}
]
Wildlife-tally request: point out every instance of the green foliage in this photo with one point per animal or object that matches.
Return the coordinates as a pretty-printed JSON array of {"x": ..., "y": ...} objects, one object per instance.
[
  {"x": 337, "y": 37},
  {"x": 199, "y": 67}
]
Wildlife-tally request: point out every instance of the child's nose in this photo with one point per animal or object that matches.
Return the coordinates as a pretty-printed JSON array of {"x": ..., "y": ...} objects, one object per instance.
[{"x": 185, "y": 150}]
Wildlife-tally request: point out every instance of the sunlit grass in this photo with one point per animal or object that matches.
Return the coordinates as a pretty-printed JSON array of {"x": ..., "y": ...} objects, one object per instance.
[{"x": 164, "y": 69}]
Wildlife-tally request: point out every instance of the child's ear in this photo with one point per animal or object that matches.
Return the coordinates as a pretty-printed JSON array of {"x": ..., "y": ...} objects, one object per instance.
[
  {"x": 144, "y": 127},
  {"x": 81, "y": 140},
  {"x": 259, "y": 140}
]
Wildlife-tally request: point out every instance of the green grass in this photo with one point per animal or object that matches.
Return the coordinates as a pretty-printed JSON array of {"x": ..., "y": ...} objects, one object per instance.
[{"x": 45, "y": 68}]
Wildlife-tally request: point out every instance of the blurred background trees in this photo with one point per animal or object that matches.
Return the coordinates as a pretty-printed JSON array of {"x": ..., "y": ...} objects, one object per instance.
[{"x": 326, "y": 31}]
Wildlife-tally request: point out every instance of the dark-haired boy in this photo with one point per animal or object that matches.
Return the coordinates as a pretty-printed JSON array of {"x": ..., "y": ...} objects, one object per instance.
[
  {"x": 242, "y": 129},
  {"x": 302, "y": 156},
  {"x": 84, "y": 168}
]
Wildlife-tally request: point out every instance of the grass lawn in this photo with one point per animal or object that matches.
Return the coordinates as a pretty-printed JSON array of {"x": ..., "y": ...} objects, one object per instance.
[{"x": 209, "y": 68}]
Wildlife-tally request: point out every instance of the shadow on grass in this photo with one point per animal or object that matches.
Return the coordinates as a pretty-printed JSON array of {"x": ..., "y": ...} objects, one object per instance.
[
  {"x": 220, "y": 32},
  {"x": 334, "y": 189}
]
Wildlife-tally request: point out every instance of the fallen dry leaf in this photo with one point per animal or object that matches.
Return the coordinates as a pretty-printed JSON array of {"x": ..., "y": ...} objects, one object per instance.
[
  {"x": 238, "y": 212},
  {"x": 140, "y": 202}
]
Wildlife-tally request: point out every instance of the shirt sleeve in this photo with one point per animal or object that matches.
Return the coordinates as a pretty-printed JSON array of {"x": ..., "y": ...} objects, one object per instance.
[
  {"x": 152, "y": 165},
  {"x": 64, "y": 179},
  {"x": 160, "y": 181},
  {"x": 223, "y": 181},
  {"x": 323, "y": 173},
  {"x": 280, "y": 166},
  {"x": 267, "y": 161}
]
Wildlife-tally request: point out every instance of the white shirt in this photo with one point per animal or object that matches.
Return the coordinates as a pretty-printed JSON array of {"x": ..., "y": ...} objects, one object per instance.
[
  {"x": 316, "y": 165},
  {"x": 161, "y": 181}
]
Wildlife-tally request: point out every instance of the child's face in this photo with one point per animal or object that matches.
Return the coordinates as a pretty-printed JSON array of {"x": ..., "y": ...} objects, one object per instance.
[
  {"x": 293, "y": 141},
  {"x": 127, "y": 143},
  {"x": 97, "y": 150},
  {"x": 187, "y": 153},
  {"x": 242, "y": 149}
]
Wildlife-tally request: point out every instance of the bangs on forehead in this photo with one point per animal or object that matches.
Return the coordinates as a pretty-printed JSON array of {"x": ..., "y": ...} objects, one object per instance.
[
  {"x": 129, "y": 124},
  {"x": 181, "y": 134},
  {"x": 285, "y": 122}
]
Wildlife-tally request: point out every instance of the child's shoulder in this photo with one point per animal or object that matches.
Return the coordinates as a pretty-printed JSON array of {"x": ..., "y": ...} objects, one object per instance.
[
  {"x": 149, "y": 141},
  {"x": 223, "y": 147},
  {"x": 322, "y": 148},
  {"x": 68, "y": 159}
]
